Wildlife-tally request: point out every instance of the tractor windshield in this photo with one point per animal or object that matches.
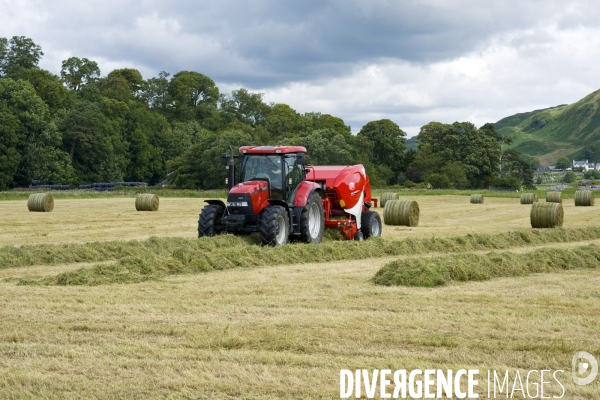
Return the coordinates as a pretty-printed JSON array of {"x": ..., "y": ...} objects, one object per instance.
[{"x": 267, "y": 167}]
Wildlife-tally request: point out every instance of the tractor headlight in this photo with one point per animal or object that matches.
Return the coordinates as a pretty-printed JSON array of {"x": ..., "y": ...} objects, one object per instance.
[{"x": 237, "y": 204}]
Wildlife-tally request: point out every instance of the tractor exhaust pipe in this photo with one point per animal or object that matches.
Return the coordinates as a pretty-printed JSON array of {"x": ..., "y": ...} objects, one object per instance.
[{"x": 231, "y": 168}]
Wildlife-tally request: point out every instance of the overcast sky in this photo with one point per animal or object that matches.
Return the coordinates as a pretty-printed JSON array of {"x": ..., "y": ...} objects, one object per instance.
[{"x": 410, "y": 61}]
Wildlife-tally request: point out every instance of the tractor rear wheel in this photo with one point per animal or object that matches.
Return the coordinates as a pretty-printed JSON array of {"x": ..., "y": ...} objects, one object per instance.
[
  {"x": 312, "y": 220},
  {"x": 370, "y": 222},
  {"x": 274, "y": 226},
  {"x": 209, "y": 219}
]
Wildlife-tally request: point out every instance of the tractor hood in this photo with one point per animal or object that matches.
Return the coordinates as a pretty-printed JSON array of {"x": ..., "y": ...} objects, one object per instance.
[
  {"x": 248, "y": 197},
  {"x": 252, "y": 188}
]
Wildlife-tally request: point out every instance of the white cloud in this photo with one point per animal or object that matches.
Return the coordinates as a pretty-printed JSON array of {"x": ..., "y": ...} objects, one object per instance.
[{"x": 548, "y": 67}]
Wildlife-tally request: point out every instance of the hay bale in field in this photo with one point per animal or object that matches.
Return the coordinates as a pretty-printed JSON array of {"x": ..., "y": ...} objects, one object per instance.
[
  {"x": 476, "y": 199},
  {"x": 146, "y": 202},
  {"x": 40, "y": 202},
  {"x": 401, "y": 212},
  {"x": 385, "y": 197},
  {"x": 553, "y": 197},
  {"x": 584, "y": 198},
  {"x": 529, "y": 198},
  {"x": 546, "y": 215}
]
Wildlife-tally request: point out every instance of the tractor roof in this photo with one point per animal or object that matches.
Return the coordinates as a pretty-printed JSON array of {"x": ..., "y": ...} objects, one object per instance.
[{"x": 272, "y": 149}]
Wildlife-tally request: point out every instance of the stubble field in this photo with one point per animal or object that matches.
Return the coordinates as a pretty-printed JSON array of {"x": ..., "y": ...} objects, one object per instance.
[{"x": 283, "y": 330}]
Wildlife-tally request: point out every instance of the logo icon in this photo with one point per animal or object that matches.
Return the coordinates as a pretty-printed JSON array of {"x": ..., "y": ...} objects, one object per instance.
[
  {"x": 584, "y": 363},
  {"x": 351, "y": 186}
]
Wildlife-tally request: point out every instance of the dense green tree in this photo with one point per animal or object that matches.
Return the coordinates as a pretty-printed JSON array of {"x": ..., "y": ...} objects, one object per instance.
[
  {"x": 47, "y": 86},
  {"x": 478, "y": 150},
  {"x": 563, "y": 163},
  {"x": 44, "y": 161},
  {"x": 283, "y": 121},
  {"x": 192, "y": 95},
  {"x": 199, "y": 166},
  {"x": 18, "y": 53},
  {"x": 325, "y": 147},
  {"x": 388, "y": 145},
  {"x": 23, "y": 114},
  {"x": 76, "y": 72},
  {"x": 245, "y": 107},
  {"x": 155, "y": 92},
  {"x": 318, "y": 121},
  {"x": 132, "y": 76},
  {"x": 569, "y": 177},
  {"x": 515, "y": 164},
  {"x": 89, "y": 139}
]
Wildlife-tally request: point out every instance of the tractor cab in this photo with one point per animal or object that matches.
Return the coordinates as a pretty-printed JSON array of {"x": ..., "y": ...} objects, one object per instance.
[{"x": 283, "y": 172}]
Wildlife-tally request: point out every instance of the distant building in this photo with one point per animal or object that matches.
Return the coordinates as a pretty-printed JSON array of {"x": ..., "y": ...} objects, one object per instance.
[{"x": 586, "y": 165}]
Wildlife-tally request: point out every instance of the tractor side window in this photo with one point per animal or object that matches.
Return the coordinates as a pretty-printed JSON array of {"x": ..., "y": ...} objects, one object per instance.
[{"x": 293, "y": 174}]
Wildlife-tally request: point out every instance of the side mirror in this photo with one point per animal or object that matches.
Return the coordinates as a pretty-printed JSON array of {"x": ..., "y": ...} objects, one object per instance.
[
  {"x": 224, "y": 159},
  {"x": 300, "y": 158}
]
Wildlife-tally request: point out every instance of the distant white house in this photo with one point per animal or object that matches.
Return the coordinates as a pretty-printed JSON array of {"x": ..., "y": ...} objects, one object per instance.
[{"x": 586, "y": 165}]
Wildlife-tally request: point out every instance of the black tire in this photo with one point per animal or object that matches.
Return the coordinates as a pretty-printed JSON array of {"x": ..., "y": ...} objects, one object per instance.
[
  {"x": 370, "y": 224},
  {"x": 307, "y": 220},
  {"x": 274, "y": 226},
  {"x": 209, "y": 219}
]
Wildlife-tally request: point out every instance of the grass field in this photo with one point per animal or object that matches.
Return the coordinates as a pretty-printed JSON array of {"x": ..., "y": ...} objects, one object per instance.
[
  {"x": 286, "y": 330},
  {"x": 87, "y": 220}
]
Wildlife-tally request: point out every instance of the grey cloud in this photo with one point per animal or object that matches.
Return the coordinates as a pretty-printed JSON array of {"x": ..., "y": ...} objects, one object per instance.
[{"x": 266, "y": 43}]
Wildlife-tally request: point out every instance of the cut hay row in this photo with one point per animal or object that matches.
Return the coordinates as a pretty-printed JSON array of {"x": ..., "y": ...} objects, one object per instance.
[
  {"x": 529, "y": 198},
  {"x": 40, "y": 202},
  {"x": 387, "y": 196},
  {"x": 146, "y": 202},
  {"x": 584, "y": 198},
  {"x": 546, "y": 215},
  {"x": 155, "y": 258},
  {"x": 476, "y": 199},
  {"x": 554, "y": 197},
  {"x": 437, "y": 271},
  {"x": 401, "y": 212}
]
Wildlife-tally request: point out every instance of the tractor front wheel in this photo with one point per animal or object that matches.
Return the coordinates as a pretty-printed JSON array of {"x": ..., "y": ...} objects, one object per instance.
[
  {"x": 209, "y": 218},
  {"x": 312, "y": 220},
  {"x": 370, "y": 224},
  {"x": 274, "y": 226}
]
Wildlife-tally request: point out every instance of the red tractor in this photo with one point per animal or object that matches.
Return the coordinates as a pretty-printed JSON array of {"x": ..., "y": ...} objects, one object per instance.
[{"x": 283, "y": 199}]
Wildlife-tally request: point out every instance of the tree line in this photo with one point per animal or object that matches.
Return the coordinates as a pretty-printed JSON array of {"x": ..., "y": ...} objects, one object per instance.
[{"x": 83, "y": 127}]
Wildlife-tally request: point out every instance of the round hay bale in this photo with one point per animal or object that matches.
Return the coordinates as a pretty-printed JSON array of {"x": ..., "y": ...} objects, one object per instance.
[
  {"x": 546, "y": 215},
  {"x": 146, "y": 202},
  {"x": 584, "y": 198},
  {"x": 553, "y": 197},
  {"x": 529, "y": 198},
  {"x": 385, "y": 197},
  {"x": 476, "y": 199},
  {"x": 40, "y": 202},
  {"x": 401, "y": 212}
]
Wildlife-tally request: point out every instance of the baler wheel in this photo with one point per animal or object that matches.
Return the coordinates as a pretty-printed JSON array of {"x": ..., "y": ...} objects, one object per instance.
[
  {"x": 312, "y": 220},
  {"x": 370, "y": 224},
  {"x": 274, "y": 226},
  {"x": 209, "y": 217}
]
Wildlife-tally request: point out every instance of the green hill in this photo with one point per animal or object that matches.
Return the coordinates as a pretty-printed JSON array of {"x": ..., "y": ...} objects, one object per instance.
[{"x": 567, "y": 130}]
